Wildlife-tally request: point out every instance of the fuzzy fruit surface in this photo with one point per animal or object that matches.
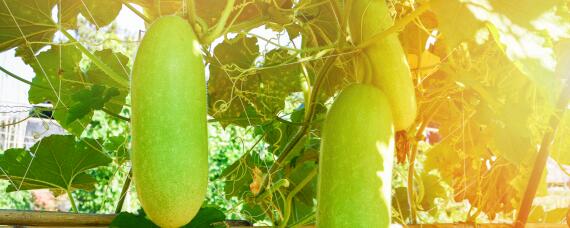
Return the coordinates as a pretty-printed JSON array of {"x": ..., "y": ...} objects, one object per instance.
[
  {"x": 355, "y": 163},
  {"x": 169, "y": 134},
  {"x": 386, "y": 57}
]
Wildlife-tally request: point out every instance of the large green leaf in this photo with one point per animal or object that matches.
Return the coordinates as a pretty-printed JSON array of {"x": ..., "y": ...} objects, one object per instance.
[
  {"x": 308, "y": 193},
  {"x": 75, "y": 94},
  {"x": 433, "y": 188},
  {"x": 239, "y": 175},
  {"x": 118, "y": 148},
  {"x": 539, "y": 215},
  {"x": 243, "y": 12},
  {"x": 87, "y": 100},
  {"x": 26, "y": 22},
  {"x": 244, "y": 95},
  {"x": 58, "y": 70},
  {"x": 206, "y": 217},
  {"x": 400, "y": 208},
  {"x": 55, "y": 162},
  {"x": 523, "y": 12},
  {"x": 100, "y": 13},
  {"x": 459, "y": 20},
  {"x": 319, "y": 22},
  {"x": 512, "y": 25}
]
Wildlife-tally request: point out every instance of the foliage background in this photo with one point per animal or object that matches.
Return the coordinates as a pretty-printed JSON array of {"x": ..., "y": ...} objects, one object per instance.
[{"x": 486, "y": 81}]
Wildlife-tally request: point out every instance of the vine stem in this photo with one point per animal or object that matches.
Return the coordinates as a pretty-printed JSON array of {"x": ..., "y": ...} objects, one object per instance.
[
  {"x": 219, "y": 27},
  {"x": 411, "y": 193},
  {"x": 110, "y": 72},
  {"x": 398, "y": 26},
  {"x": 20, "y": 78},
  {"x": 411, "y": 168},
  {"x": 305, "y": 220},
  {"x": 275, "y": 187},
  {"x": 108, "y": 112},
  {"x": 294, "y": 192},
  {"x": 124, "y": 191},
  {"x": 191, "y": 9},
  {"x": 542, "y": 156},
  {"x": 72, "y": 201},
  {"x": 137, "y": 12},
  {"x": 310, "y": 112},
  {"x": 340, "y": 34}
]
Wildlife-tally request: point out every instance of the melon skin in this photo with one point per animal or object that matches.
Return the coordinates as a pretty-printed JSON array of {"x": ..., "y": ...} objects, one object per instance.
[
  {"x": 391, "y": 72},
  {"x": 355, "y": 161},
  {"x": 169, "y": 132}
]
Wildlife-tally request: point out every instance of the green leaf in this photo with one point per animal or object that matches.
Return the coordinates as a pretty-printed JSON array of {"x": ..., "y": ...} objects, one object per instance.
[
  {"x": 459, "y": 20},
  {"x": 319, "y": 22},
  {"x": 28, "y": 20},
  {"x": 100, "y": 13},
  {"x": 442, "y": 157},
  {"x": 539, "y": 215},
  {"x": 561, "y": 145},
  {"x": 128, "y": 220},
  {"x": 86, "y": 101},
  {"x": 254, "y": 212},
  {"x": 276, "y": 134},
  {"x": 118, "y": 63},
  {"x": 252, "y": 96},
  {"x": 433, "y": 189},
  {"x": 58, "y": 69},
  {"x": 522, "y": 11},
  {"x": 244, "y": 12},
  {"x": 400, "y": 204},
  {"x": 456, "y": 21},
  {"x": 225, "y": 81},
  {"x": 97, "y": 12},
  {"x": 114, "y": 60},
  {"x": 117, "y": 147},
  {"x": 309, "y": 192},
  {"x": 508, "y": 126},
  {"x": 55, "y": 162},
  {"x": 239, "y": 175},
  {"x": 206, "y": 217},
  {"x": 529, "y": 66}
]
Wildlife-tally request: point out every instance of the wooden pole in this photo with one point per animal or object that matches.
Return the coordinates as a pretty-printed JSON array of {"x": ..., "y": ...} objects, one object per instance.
[
  {"x": 47, "y": 218},
  {"x": 542, "y": 156},
  {"x": 65, "y": 219}
]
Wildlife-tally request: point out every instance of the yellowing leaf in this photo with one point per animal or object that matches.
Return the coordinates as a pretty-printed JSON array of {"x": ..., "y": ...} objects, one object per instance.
[
  {"x": 539, "y": 215},
  {"x": 433, "y": 189},
  {"x": 429, "y": 62},
  {"x": 257, "y": 176},
  {"x": 444, "y": 158},
  {"x": 522, "y": 11},
  {"x": 456, "y": 21}
]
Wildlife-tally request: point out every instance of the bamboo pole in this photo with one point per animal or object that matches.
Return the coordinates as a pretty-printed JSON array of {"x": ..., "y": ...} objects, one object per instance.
[
  {"x": 47, "y": 218},
  {"x": 65, "y": 219},
  {"x": 547, "y": 139}
]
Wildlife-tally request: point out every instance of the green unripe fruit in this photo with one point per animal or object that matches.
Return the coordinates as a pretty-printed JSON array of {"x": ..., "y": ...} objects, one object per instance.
[
  {"x": 355, "y": 163},
  {"x": 169, "y": 134},
  {"x": 390, "y": 69}
]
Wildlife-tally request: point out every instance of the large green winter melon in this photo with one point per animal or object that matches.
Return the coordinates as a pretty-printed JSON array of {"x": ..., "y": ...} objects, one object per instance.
[
  {"x": 169, "y": 135},
  {"x": 355, "y": 164}
]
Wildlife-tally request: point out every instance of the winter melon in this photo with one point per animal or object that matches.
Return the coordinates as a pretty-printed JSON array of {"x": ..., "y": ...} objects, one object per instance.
[
  {"x": 390, "y": 69},
  {"x": 355, "y": 163},
  {"x": 169, "y": 135}
]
